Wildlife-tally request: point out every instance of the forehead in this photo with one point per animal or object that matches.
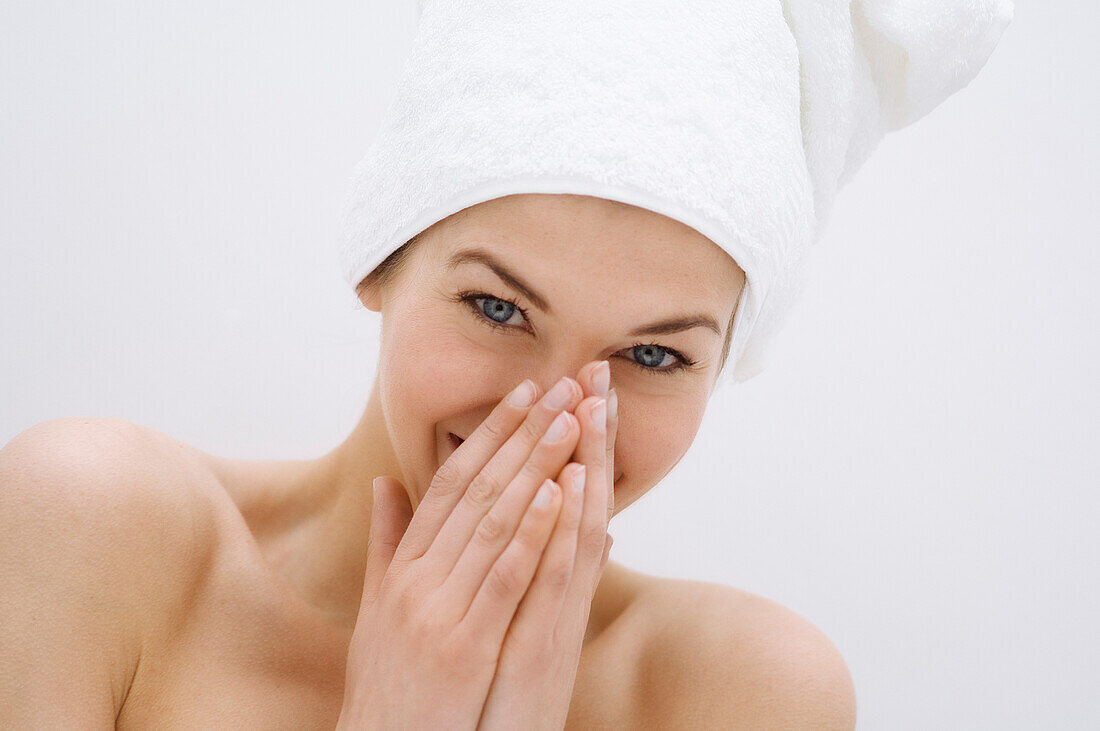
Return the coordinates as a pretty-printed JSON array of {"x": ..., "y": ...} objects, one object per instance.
[{"x": 594, "y": 242}]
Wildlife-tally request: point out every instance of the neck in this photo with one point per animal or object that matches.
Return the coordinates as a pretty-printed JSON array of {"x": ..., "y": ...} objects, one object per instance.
[
  {"x": 311, "y": 518},
  {"x": 336, "y": 576}
]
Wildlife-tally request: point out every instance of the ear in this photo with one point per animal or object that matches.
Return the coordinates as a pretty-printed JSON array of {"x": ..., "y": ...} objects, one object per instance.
[{"x": 371, "y": 296}]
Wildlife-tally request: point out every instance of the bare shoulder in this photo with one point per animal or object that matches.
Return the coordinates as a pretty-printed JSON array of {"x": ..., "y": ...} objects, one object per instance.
[
  {"x": 718, "y": 656},
  {"x": 117, "y": 474},
  {"x": 102, "y": 533}
]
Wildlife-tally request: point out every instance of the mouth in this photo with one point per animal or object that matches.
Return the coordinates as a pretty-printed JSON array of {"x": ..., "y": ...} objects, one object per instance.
[{"x": 456, "y": 440}]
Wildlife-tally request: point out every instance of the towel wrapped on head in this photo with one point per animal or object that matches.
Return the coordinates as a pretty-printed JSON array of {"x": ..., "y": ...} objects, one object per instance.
[{"x": 740, "y": 119}]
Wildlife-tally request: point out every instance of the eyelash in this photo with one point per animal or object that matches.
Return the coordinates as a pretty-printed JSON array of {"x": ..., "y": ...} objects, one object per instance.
[{"x": 469, "y": 298}]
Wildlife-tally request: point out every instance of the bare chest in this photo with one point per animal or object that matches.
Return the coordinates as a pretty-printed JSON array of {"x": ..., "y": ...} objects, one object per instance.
[
  {"x": 248, "y": 655},
  {"x": 243, "y": 654}
]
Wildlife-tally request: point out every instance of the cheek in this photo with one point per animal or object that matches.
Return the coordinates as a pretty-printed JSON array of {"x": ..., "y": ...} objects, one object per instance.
[
  {"x": 431, "y": 370},
  {"x": 431, "y": 358},
  {"x": 418, "y": 366},
  {"x": 654, "y": 434}
]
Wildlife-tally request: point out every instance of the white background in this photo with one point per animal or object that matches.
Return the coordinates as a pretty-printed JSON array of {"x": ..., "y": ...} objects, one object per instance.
[{"x": 916, "y": 472}]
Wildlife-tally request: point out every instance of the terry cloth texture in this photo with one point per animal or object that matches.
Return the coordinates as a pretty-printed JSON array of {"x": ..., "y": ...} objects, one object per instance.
[{"x": 740, "y": 119}]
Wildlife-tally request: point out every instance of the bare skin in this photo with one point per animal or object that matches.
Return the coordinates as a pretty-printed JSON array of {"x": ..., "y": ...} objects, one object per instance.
[
  {"x": 254, "y": 650},
  {"x": 321, "y": 556},
  {"x": 246, "y": 615}
]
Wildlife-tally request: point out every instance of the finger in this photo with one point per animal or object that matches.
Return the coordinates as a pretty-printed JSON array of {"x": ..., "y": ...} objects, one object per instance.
[
  {"x": 513, "y": 458},
  {"x": 612, "y": 434},
  {"x": 391, "y": 512},
  {"x": 494, "y": 606},
  {"x": 595, "y": 379},
  {"x": 541, "y": 608},
  {"x": 592, "y": 453},
  {"x": 454, "y": 475},
  {"x": 493, "y": 533}
]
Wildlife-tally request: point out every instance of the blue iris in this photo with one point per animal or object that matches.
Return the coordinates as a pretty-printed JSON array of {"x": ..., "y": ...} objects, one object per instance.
[
  {"x": 650, "y": 355},
  {"x": 493, "y": 308}
]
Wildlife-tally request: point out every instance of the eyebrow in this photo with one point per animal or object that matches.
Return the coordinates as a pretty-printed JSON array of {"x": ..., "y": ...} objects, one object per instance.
[{"x": 663, "y": 327}]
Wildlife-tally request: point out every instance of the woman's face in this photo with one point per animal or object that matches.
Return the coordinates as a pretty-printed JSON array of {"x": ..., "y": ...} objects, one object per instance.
[{"x": 535, "y": 286}]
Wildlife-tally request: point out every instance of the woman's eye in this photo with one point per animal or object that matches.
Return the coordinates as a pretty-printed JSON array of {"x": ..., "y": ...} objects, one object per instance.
[
  {"x": 655, "y": 357},
  {"x": 504, "y": 314},
  {"x": 498, "y": 310}
]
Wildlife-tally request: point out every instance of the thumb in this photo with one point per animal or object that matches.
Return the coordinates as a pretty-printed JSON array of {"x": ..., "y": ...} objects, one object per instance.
[{"x": 390, "y": 516}]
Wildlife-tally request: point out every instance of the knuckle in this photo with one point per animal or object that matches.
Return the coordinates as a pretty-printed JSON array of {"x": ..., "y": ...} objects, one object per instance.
[
  {"x": 558, "y": 575},
  {"x": 503, "y": 582},
  {"x": 406, "y": 598},
  {"x": 474, "y": 645},
  {"x": 447, "y": 477},
  {"x": 416, "y": 589},
  {"x": 539, "y": 658},
  {"x": 421, "y": 622},
  {"x": 483, "y": 490},
  {"x": 430, "y": 628},
  {"x": 447, "y": 653},
  {"x": 592, "y": 541},
  {"x": 531, "y": 430},
  {"x": 491, "y": 529},
  {"x": 433, "y": 626},
  {"x": 495, "y": 429},
  {"x": 527, "y": 537}
]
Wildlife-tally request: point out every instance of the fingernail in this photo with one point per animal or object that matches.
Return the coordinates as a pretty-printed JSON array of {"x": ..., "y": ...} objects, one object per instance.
[
  {"x": 601, "y": 378},
  {"x": 523, "y": 395},
  {"x": 542, "y": 499},
  {"x": 612, "y": 405},
  {"x": 558, "y": 429},
  {"x": 559, "y": 394},
  {"x": 599, "y": 416},
  {"x": 578, "y": 479}
]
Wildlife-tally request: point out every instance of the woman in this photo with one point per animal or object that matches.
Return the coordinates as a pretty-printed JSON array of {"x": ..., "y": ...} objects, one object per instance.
[
  {"x": 230, "y": 589},
  {"x": 151, "y": 584}
]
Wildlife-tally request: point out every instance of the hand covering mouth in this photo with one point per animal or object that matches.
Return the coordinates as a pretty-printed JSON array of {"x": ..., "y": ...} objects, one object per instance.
[{"x": 457, "y": 440}]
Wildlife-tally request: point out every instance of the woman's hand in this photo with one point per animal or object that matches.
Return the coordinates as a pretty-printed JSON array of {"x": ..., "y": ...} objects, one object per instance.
[
  {"x": 534, "y": 679},
  {"x": 442, "y": 586}
]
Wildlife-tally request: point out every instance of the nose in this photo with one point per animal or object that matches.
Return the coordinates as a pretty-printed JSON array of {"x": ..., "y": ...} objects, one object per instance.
[{"x": 548, "y": 372}]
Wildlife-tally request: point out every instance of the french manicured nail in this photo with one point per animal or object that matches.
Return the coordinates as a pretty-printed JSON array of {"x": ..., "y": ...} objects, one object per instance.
[
  {"x": 599, "y": 416},
  {"x": 601, "y": 378},
  {"x": 612, "y": 405},
  {"x": 558, "y": 429},
  {"x": 559, "y": 394},
  {"x": 578, "y": 479},
  {"x": 523, "y": 395},
  {"x": 542, "y": 498}
]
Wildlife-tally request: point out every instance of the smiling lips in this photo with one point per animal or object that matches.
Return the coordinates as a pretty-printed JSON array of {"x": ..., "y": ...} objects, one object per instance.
[{"x": 457, "y": 440}]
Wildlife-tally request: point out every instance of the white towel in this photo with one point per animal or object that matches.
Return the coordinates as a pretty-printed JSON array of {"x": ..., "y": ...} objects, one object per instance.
[{"x": 739, "y": 118}]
